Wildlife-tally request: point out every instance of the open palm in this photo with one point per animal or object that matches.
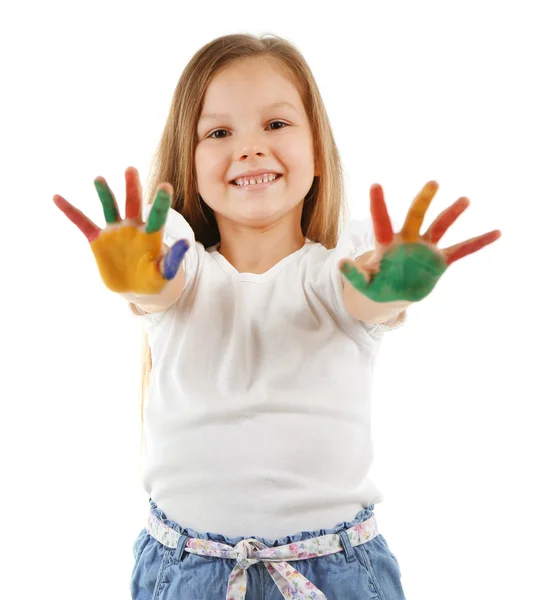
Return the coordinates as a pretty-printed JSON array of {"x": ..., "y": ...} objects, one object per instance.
[
  {"x": 129, "y": 252},
  {"x": 407, "y": 265}
]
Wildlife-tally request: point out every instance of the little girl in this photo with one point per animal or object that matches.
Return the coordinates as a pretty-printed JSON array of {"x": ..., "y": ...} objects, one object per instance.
[{"x": 264, "y": 329}]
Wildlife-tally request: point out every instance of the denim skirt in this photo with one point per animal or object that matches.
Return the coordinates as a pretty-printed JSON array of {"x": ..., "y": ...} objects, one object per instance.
[{"x": 351, "y": 561}]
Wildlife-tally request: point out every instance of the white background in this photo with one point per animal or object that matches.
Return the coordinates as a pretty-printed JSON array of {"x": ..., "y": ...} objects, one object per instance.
[{"x": 414, "y": 91}]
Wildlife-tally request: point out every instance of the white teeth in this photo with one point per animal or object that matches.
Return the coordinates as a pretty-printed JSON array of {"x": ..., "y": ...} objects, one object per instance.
[{"x": 253, "y": 181}]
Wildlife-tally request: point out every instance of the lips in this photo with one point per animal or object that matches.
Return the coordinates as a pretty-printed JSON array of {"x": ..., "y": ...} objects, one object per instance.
[{"x": 233, "y": 182}]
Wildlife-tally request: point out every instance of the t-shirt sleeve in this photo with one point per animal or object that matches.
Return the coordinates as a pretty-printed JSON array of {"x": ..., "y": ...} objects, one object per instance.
[
  {"x": 176, "y": 228},
  {"x": 357, "y": 239}
]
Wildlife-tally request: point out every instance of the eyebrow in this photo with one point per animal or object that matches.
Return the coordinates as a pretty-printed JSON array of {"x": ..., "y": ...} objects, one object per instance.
[{"x": 223, "y": 115}]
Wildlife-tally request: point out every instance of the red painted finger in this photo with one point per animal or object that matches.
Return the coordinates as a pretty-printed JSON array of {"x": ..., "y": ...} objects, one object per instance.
[
  {"x": 85, "y": 225},
  {"x": 382, "y": 225},
  {"x": 133, "y": 194},
  {"x": 445, "y": 220},
  {"x": 470, "y": 246}
]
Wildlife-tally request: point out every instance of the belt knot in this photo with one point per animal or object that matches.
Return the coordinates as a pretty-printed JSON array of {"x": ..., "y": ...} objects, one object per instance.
[{"x": 244, "y": 551}]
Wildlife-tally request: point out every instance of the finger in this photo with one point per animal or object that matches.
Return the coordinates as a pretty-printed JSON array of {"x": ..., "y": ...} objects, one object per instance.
[
  {"x": 445, "y": 220},
  {"x": 86, "y": 226},
  {"x": 160, "y": 208},
  {"x": 355, "y": 277},
  {"x": 470, "y": 246},
  {"x": 173, "y": 258},
  {"x": 111, "y": 210},
  {"x": 133, "y": 195},
  {"x": 416, "y": 214},
  {"x": 382, "y": 225}
]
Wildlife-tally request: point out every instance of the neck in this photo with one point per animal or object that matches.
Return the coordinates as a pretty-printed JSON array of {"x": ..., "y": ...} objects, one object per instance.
[{"x": 256, "y": 250}]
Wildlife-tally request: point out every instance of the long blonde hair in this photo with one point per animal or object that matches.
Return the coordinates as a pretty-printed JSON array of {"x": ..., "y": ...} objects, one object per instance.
[{"x": 324, "y": 210}]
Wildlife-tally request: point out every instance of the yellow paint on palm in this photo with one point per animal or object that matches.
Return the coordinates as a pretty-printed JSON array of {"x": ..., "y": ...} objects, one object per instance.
[
  {"x": 127, "y": 259},
  {"x": 413, "y": 223}
]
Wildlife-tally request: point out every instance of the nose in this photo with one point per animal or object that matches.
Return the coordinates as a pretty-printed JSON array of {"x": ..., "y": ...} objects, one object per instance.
[
  {"x": 246, "y": 153},
  {"x": 250, "y": 145}
]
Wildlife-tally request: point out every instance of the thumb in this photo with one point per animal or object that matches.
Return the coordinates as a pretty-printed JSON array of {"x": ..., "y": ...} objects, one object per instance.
[
  {"x": 170, "y": 263},
  {"x": 357, "y": 279}
]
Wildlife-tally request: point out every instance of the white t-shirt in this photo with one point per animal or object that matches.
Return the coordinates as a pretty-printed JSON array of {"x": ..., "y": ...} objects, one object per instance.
[{"x": 257, "y": 416}]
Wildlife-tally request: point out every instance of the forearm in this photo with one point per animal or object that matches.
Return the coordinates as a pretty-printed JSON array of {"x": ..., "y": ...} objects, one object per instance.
[
  {"x": 158, "y": 302},
  {"x": 363, "y": 308}
]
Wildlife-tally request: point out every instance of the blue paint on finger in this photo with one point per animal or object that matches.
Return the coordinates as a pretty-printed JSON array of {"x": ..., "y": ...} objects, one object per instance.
[{"x": 173, "y": 258}]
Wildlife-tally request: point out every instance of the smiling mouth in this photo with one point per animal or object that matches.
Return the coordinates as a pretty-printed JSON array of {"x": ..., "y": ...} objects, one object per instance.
[{"x": 252, "y": 185}]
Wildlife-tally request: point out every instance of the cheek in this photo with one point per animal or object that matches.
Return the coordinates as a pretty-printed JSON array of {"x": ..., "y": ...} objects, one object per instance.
[
  {"x": 210, "y": 166},
  {"x": 296, "y": 151}
]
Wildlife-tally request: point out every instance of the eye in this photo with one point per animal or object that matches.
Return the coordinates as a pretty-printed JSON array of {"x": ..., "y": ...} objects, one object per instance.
[
  {"x": 281, "y": 122},
  {"x": 214, "y": 132},
  {"x": 224, "y": 130}
]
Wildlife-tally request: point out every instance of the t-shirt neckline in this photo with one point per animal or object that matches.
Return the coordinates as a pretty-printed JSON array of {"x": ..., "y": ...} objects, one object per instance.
[{"x": 269, "y": 274}]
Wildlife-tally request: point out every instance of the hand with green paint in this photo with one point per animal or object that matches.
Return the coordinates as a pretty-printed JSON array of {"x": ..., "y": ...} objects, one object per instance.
[
  {"x": 406, "y": 266},
  {"x": 129, "y": 253}
]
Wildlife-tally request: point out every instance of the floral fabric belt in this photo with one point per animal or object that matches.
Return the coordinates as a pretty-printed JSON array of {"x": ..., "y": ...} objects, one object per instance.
[{"x": 290, "y": 582}]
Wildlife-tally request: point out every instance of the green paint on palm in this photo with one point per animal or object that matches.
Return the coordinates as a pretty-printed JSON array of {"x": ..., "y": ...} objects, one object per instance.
[
  {"x": 158, "y": 213},
  {"x": 111, "y": 213},
  {"x": 407, "y": 272}
]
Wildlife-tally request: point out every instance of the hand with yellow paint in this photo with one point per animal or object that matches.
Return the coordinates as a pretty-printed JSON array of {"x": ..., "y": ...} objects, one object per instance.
[
  {"x": 129, "y": 253},
  {"x": 406, "y": 266}
]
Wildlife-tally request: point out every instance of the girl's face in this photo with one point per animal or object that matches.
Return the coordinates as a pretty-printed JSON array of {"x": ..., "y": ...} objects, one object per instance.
[{"x": 248, "y": 133}]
